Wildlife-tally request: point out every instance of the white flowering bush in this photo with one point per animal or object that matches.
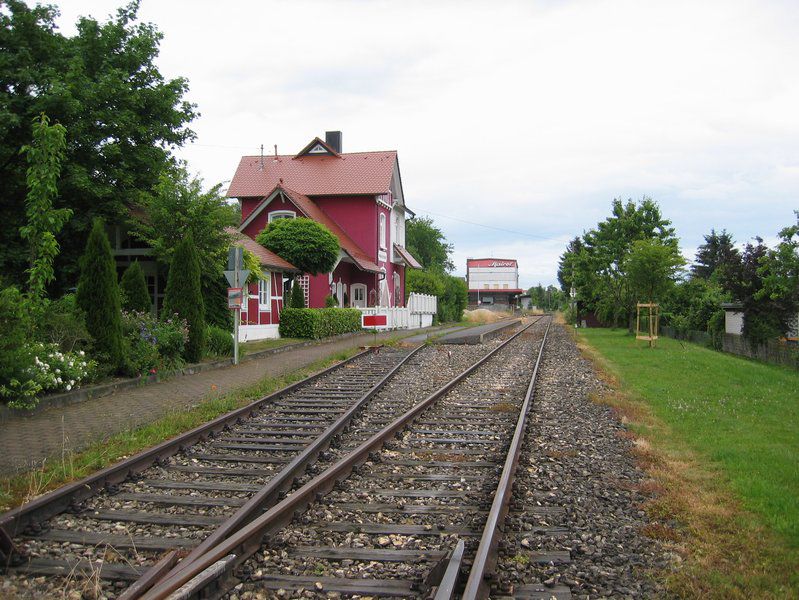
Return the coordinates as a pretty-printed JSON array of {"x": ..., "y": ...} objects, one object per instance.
[{"x": 43, "y": 368}]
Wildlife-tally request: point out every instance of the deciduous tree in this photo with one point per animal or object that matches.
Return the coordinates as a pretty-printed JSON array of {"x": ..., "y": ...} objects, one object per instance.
[
  {"x": 428, "y": 245},
  {"x": 43, "y": 220},
  {"x": 123, "y": 117}
]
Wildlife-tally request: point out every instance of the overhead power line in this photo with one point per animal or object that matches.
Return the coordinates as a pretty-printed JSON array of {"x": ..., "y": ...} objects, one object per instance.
[{"x": 530, "y": 235}]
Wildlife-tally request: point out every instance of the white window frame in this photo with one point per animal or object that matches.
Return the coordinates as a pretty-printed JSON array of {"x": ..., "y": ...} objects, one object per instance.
[
  {"x": 276, "y": 215},
  {"x": 265, "y": 294},
  {"x": 383, "y": 242},
  {"x": 358, "y": 287}
]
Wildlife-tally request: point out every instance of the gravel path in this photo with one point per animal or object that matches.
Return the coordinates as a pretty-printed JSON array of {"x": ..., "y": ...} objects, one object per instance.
[{"x": 577, "y": 473}]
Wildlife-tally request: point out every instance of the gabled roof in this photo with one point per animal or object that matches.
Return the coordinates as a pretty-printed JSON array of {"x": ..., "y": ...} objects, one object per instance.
[
  {"x": 354, "y": 173},
  {"x": 407, "y": 257},
  {"x": 316, "y": 147},
  {"x": 309, "y": 208},
  {"x": 266, "y": 257}
]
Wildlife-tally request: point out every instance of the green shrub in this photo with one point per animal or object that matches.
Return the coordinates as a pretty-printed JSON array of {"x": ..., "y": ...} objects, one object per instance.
[
  {"x": 134, "y": 289},
  {"x": 98, "y": 296},
  {"x": 316, "y": 323},
  {"x": 306, "y": 244},
  {"x": 220, "y": 342},
  {"x": 43, "y": 368},
  {"x": 152, "y": 345},
  {"x": 184, "y": 296},
  {"x": 297, "y": 296},
  {"x": 63, "y": 322},
  {"x": 330, "y": 301}
]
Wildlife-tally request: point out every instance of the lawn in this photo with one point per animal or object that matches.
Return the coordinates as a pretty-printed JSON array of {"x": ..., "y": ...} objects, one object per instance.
[{"x": 739, "y": 418}]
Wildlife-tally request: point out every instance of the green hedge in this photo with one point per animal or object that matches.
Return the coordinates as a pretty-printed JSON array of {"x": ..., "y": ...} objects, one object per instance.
[{"x": 316, "y": 323}]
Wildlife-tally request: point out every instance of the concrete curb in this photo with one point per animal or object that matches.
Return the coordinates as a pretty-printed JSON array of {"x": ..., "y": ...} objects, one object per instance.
[{"x": 106, "y": 389}]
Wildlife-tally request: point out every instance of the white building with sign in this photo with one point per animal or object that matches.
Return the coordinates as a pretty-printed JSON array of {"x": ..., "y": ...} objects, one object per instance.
[{"x": 493, "y": 282}]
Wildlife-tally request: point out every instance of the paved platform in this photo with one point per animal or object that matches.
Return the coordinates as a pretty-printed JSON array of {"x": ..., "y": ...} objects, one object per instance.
[
  {"x": 477, "y": 335},
  {"x": 423, "y": 337},
  {"x": 26, "y": 440}
]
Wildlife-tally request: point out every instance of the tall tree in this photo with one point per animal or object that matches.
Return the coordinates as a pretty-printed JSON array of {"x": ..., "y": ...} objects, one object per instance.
[
  {"x": 596, "y": 266},
  {"x": 123, "y": 117},
  {"x": 718, "y": 255},
  {"x": 43, "y": 221},
  {"x": 779, "y": 272},
  {"x": 98, "y": 296},
  {"x": 653, "y": 267},
  {"x": 184, "y": 296},
  {"x": 135, "y": 295},
  {"x": 428, "y": 245},
  {"x": 179, "y": 207}
]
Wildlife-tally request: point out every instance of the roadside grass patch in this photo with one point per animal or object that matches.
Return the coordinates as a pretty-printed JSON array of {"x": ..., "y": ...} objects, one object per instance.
[
  {"x": 719, "y": 435},
  {"x": 70, "y": 466}
]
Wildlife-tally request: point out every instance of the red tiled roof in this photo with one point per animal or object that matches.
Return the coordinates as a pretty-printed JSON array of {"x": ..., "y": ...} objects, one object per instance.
[
  {"x": 351, "y": 173},
  {"x": 407, "y": 257},
  {"x": 266, "y": 257},
  {"x": 309, "y": 208}
]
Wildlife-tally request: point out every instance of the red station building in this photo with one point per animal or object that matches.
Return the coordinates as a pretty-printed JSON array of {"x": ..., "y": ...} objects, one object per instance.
[{"x": 358, "y": 196}]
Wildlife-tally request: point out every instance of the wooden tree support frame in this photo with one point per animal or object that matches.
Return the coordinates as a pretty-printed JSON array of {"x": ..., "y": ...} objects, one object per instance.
[{"x": 653, "y": 313}]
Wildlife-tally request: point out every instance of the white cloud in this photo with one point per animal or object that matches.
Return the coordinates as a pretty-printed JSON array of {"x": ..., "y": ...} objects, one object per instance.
[{"x": 525, "y": 116}]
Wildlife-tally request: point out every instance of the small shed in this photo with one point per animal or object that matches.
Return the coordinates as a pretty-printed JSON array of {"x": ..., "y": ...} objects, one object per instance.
[{"x": 733, "y": 317}]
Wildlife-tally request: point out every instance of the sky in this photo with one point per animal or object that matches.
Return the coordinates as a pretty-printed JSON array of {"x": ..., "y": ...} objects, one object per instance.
[{"x": 516, "y": 123}]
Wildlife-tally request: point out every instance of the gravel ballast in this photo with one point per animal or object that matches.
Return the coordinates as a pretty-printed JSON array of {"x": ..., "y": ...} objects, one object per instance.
[{"x": 578, "y": 473}]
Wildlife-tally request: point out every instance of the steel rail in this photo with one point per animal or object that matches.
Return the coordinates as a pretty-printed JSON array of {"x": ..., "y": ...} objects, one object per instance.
[
  {"x": 192, "y": 580},
  {"x": 57, "y": 501},
  {"x": 269, "y": 494},
  {"x": 485, "y": 559}
]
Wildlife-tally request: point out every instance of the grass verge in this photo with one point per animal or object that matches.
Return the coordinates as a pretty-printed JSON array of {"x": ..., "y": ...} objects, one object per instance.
[
  {"x": 70, "y": 466},
  {"x": 719, "y": 436}
]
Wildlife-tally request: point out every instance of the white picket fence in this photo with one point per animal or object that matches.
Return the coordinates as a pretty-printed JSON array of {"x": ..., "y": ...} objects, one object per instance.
[{"x": 418, "y": 313}]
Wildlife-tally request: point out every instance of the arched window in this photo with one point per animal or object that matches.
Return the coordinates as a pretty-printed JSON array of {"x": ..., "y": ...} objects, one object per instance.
[
  {"x": 383, "y": 231},
  {"x": 281, "y": 214}
]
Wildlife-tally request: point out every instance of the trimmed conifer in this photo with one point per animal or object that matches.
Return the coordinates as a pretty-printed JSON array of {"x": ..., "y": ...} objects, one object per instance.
[
  {"x": 98, "y": 296},
  {"x": 297, "y": 296},
  {"x": 184, "y": 296},
  {"x": 134, "y": 289}
]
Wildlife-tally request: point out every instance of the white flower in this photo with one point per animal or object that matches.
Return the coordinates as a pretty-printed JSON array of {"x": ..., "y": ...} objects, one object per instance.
[
  {"x": 69, "y": 387},
  {"x": 71, "y": 382},
  {"x": 82, "y": 353},
  {"x": 58, "y": 380}
]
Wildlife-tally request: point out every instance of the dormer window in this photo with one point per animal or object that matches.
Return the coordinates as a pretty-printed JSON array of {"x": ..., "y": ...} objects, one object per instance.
[{"x": 383, "y": 244}]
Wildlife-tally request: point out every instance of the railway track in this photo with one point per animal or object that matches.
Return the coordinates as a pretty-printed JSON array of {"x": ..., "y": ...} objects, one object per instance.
[
  {"x": 413, "y": 498},
  {"x": 175, "y": 495},
  {"x": 130, "y": 523}
]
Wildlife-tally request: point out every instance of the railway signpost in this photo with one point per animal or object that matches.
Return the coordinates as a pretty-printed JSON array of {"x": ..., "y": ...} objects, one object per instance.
[{"x": 237, "y": 278}]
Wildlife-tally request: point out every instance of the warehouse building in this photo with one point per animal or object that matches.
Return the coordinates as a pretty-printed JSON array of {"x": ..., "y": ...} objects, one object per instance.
[{"x": 493, "y": 283}]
